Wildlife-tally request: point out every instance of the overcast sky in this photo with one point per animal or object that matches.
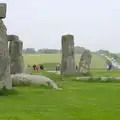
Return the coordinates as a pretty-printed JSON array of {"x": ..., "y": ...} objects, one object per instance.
[{"x": 95, "y": 24}]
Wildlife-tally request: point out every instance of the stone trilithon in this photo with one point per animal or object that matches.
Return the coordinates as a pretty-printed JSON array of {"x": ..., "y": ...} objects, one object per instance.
[
  {"x": 15, "y": 52},
  {"x": 68, "y": 55}
]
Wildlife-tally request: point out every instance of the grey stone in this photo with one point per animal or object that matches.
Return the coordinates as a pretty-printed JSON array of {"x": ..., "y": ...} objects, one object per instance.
[
  {"x": 3, "y": 8},
  {"x": 85, "y": 78},
  {"x": 85, "y": 61},
  {"x": 15, "y": 52},
  {"x": 5, "y": 79},
  {"x": 99, "y": 79},
  {"x": 68, "y": 55},
  {"x": 15, "y": 48},
  {"x": 27, "y": 79},
  {"x": 13, "y": 37}
]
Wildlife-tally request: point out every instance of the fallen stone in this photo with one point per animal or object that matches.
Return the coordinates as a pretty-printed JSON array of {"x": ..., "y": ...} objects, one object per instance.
[
  {"x": 27, "y": 79},
  {"x": 96, "y": 78},
  {"x": 84, "y": 78},
  {"x": 100, "y": 79}
]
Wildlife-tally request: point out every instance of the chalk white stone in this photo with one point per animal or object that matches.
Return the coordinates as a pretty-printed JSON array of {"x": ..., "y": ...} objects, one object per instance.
[{"x": 32, "y": 79}]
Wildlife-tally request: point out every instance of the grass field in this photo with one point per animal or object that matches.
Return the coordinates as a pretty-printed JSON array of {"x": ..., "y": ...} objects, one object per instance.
[
  {"x": 77, "y": 100},
  {"x": 50, "y": 60}
]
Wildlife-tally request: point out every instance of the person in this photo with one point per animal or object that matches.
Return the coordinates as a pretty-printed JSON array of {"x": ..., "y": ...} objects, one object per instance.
[
  {"x": 34, "y": 66},
  {"x": 42, "y": 67},
  {"x": 57, "y": 67},
  {"x": 37, "y": 68},
  {"x": 76, "y": 67},
  {"x": 109, "y": 66}
]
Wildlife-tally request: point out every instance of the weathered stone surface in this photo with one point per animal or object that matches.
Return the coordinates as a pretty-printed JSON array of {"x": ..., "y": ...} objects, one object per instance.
[
  {"x": 85, "y": 61},
  {"x": 17, "y": 66},
  {"x": 84, "y": 78},
  {"x": 99, "y": 79},
  {"x": 15, "y": 48},
  {"x": 26, "y": 79},
  {"x": 68, "y": 55},
  {"x": 15, "y": 52},
  {"x": 5, "y": 79},
  {"x": 3, "y": 8},
  {"x": 13, "y": 37}
]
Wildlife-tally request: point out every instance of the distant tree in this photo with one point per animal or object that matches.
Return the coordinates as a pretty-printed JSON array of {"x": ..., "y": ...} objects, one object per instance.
[
  {"x": 106, "y": 52},
  {"x": 48, "y": 51},
  {"x": 29, "y": 51},
  {"x": 79, "y": 50}
]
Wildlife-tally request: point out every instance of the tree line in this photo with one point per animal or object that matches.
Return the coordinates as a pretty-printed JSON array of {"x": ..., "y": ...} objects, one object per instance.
[{"x": 78, "y": 50}]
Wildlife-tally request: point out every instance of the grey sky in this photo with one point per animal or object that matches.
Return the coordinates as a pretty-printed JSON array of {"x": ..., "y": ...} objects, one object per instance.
[{"x": 95, "y": 24}]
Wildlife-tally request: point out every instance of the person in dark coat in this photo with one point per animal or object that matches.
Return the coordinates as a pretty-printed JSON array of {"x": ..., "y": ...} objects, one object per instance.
[
  {"x": 57, "y": 67},
  {"x": 110, "y": 66},
  {"x": 34, "y": 67},
  {"x": 42, "y": 67},
  {"x": 76, "y": 67}
]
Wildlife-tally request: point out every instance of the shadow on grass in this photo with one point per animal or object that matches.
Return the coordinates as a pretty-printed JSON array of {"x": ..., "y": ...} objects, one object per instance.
[
  {"x": 6, "y": 92},
  {"x": 40, "y": 86}
]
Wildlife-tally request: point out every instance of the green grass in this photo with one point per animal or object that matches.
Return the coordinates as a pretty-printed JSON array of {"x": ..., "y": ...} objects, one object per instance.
[
  {"x": 77, "y": 101},
  {"x": 106, "y": 73},
  {"x": 50, "y": 60}
]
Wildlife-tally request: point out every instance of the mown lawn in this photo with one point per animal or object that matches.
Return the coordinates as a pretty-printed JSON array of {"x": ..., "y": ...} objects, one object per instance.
[
  {"x": 77, "y": 101},
  {"x": 50, "y": 60},
  {"x": 105, "y": 73}
]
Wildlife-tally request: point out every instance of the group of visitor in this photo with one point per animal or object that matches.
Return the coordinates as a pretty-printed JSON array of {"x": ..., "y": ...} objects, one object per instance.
[{"x": 38, "y": 67}]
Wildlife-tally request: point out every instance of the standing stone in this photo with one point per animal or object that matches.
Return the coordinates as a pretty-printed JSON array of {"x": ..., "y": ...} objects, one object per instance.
[
  {"x": 13, "y": 38},
  {"x": 3, "y": 9},
  {"x": 15, "y": 52},
  {"x": 85, "y": 61},
  {"x": 68, "y": 55},
  {"x": 5, "y": 79}
]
